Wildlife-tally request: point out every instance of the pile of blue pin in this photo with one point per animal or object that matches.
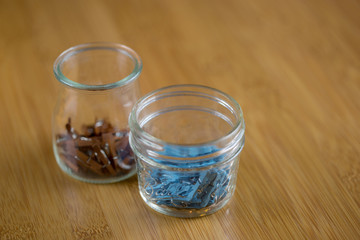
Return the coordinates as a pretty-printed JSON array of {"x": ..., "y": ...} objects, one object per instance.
[{"x": 188, "y": 189}]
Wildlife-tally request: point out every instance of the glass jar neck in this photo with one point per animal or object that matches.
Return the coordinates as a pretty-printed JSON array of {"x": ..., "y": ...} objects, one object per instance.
[{"x": 129, "y": 88}]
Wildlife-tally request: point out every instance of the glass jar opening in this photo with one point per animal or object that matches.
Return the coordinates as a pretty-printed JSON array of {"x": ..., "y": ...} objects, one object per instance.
[
  {"x": 187, "y": 122},
  {"x": 97, "y": 66}
]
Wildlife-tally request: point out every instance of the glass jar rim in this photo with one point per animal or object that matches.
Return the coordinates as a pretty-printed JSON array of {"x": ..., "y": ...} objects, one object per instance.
[
  {"x": 237, "y": 131},
  {"x": 65, "y": 55}
]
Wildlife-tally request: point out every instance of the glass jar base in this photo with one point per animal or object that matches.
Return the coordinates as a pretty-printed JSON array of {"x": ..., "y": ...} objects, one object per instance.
[
  {"x": 185, "y": 213},
  {"x": 99, "y": 180}
]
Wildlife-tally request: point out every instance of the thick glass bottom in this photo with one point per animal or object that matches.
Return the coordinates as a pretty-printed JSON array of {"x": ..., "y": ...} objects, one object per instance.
[{"x": 186, "y": 213}]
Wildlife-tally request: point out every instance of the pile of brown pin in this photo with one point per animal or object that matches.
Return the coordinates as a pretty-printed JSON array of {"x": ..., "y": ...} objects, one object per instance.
[{"x": 100, "y": 150}]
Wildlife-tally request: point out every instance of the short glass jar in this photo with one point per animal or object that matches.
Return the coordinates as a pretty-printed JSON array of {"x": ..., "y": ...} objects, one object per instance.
[
  {"x": 187, "y": 140},
  {"x": 90, "y": 120}
]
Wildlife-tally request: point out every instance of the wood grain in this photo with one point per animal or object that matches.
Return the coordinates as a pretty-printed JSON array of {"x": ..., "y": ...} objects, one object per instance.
[{"x": 294, "y": 66}]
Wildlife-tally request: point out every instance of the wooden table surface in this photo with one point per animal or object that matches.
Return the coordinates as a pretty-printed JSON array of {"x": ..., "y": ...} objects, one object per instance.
[{"x": 294, "y": 66}]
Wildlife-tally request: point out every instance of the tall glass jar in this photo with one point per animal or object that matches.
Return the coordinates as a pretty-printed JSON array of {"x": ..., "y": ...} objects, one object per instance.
[
  {"x": 90, "y": 120},
  {"x": 187, "y": 140}
]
